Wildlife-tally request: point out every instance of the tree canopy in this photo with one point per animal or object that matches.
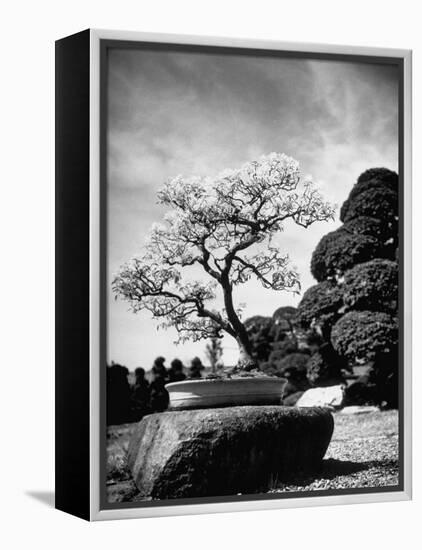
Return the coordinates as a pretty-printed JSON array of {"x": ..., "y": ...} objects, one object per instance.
[{"x": 213, "y": 224}]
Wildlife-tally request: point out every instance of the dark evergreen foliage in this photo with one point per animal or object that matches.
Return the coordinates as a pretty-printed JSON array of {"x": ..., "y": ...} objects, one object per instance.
[
  {"x": 325, "y": 367},
  {"x": 372, "y": 286},
  {"x": 365, "y": 225},
  {"x": 362, "y": 336},
  {"x": 320, "y": 306},
  {"x": 340, "y": 250},
  {"x": 378, "y": 202},
  {"x": 259, "y": 330},
  {"x": 387, "y": 177}
]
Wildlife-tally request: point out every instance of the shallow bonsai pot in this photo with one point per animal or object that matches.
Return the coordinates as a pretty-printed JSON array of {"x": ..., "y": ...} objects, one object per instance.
[{"x": 200, "y": 394}]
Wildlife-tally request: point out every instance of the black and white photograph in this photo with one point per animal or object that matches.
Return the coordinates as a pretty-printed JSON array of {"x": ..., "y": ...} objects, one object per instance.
[
  {"x": 210, "y": 275},
  {"x": 252, "y": 297}
]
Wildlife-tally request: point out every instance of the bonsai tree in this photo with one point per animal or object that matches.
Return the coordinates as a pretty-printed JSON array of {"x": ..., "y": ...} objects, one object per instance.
[{"x": 223, "y": 225}]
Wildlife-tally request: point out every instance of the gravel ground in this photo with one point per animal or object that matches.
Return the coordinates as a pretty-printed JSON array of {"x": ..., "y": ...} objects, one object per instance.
[{"x": 363, "y": 453}]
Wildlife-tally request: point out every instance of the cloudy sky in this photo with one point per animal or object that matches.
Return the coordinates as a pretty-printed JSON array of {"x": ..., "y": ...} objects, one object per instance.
[{"x": 173, "y": 113}]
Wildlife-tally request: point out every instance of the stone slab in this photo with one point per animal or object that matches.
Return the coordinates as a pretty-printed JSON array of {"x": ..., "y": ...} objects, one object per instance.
[{"x": 226, "y": 451}]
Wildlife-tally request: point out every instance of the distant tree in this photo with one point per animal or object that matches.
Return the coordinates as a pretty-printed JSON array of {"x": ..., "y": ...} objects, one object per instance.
[
  {"x": 175, "y": 372},
  {"x": 259, "y": 330},
  {"x": 272, "y": 338},
  {"x": 372, "y": 286},
  {"x": 140, "y": 398},
  {"x": 286, "y": 325},
  {"x": 286, "y": 318},
  {"x": 212, "y": 224},
  {"x": 214, "y": 351},
  {"x": 159, "y": 369},
  {"x": 196, "y": 368}
]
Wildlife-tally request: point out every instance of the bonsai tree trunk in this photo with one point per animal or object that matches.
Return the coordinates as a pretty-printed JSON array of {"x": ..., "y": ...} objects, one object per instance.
[{"x": 245, "y": 362}]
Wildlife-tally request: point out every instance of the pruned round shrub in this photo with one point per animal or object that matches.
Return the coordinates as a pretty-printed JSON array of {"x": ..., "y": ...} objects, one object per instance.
[
  {"x": 361, "y": 336},
  {"x": 372, "y": 286},
  {"x": 320, "y": 306},
  {"x": 373, "y": 183},
  {"x": 378, "y": 202},
  {"x": 340, "y": 250},
  {"x": 365, "y": 225},
  {"x": 384, "y": 175}
]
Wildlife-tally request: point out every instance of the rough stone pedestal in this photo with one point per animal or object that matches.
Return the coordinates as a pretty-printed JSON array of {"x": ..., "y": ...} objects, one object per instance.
[{"x": 226, "y": 451}]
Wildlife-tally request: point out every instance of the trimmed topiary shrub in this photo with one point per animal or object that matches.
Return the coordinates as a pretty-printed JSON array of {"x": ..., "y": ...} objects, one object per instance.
[
  {"x": 372, "y": 286},
  {"x": 365, "y": 225},
  {"x": 371, "y": 184},
  {"x": 379, "y": 202},
  {"x": 354, "y": 306},
  {"x": 320, "y": 306},
  {"x": 340, "y": 250},
  {"x": 387, "y": 177},
  {"x": 361, "y": 336}
]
